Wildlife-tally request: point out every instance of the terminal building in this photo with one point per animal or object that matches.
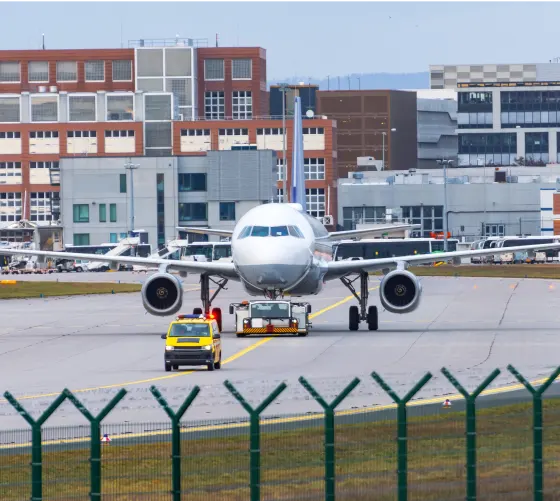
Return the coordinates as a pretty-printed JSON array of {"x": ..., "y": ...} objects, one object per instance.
[
  {"x": 481, "y": 202},
  {"x": 207, "y": 191}
]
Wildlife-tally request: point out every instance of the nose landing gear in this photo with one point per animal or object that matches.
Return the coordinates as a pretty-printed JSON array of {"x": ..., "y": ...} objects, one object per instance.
[
  {"x": 358, "y": 314},
  {"x": 207, "y": 300}
]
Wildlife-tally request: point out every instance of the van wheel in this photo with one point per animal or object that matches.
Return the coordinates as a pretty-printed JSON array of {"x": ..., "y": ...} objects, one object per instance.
[
  {"x": 211, "y": 366},
  {"x": 167, "y": 367},
  {"x": 218, "y": 364}
]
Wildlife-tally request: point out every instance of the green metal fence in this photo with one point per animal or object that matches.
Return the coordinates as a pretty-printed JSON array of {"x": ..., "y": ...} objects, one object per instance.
[{"x": 430, "y": 454}]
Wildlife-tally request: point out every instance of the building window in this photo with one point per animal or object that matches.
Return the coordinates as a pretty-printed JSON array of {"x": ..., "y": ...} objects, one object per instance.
[
  {"x": 193, "y": 212},
  {"x": 280, "y": 167},
  {"x": 95, "y": 71},
  {"x": 429, "y": 217},
  {"x": 43, "y": 134},
  {"x": 44, "y": 108},
  {"x": 119, "y": 133},
  {"x": 122, "y": 71},
  {"x": 536, "y": 148},
  {"x": 9, "y": 72},
  {"x": 157, "y": 107},
  {"x": 81, "y": 239},
  {"x": 102, "y": 213},
  {"x": 44, "y": 165},
  {"x": 160, "y": 180},
  {"x": 192, "y": 182},
  {"x": 81, "y": 133},
  {"x": 241, "y": 69},
  {"x": 214, "y": 105},
  {"x": 352, "y": 216},
  {"x": 242, "y": 105},
  {"x": 38, "y": 71},
  {"x": 478, "y": 120},
  {"x": 120, "y": 108},
  {"x": 493, "y": 149},
  {"x": 40, "y": 206},
  {"x": 10, "y": 207},
  {"x": 113, "y": 238},
  {"x": 67, "y": 71},
  {"x": 81, "y": 108},
  {"x": 113, "y": 213},
  {"x": 315, "y": 200},
  {"x": 314, "y": 168},
  {"x": 122, "y": 179},
  {"x": 10, "y": 135},
  {"x": 279, "y": 195},
  {"x": 81, "y": 213},
  {"x": 195, "y": 132},
  {"x": 227, "y": 211},
  {"x": 9, "y": 109},
  {"x": 494, "y": 230},
  {"x": 213, "y": 69}
]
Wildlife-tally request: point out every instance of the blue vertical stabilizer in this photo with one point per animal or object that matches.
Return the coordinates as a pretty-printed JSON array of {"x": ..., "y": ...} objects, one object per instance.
[{"x": 297, "y": 194}]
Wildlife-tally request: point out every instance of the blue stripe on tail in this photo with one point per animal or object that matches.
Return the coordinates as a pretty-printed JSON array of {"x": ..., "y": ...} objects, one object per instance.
[{"x": 297, "y": 194}]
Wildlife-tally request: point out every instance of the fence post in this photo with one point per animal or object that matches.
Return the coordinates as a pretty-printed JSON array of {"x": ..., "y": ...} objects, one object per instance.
[
  {"x": 36, "y": 441},
  {"x": 95, "y": 437},
  {"x": 471, "y": 426},
  {"x": 175, "y": 435},
  {"x": 402, "y": 429},
  {"x": 329, "y": 409},
  {"x": 255, "y": 445},
  {"x": 538, "y": 481}
]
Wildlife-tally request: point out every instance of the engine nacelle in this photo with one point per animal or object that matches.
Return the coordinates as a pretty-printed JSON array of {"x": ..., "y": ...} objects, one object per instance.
[
  {"x": 162, "y": 294},
  {"x": 400, "y": 291}
]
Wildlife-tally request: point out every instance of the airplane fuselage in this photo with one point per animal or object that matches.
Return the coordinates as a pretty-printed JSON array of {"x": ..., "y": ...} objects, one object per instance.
[{"x": 275, "y": 250}]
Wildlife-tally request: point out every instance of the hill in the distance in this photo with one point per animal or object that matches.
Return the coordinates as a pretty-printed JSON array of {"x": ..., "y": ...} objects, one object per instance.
[{"x": 366, "y": 81}]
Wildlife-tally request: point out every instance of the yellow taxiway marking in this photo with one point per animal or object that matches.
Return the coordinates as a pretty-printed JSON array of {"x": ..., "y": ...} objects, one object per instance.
[{"x": 235, "y": 356}]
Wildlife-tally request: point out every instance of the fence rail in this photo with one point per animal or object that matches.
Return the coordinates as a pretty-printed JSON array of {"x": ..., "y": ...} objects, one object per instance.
[{"x": 294, "y": 466}]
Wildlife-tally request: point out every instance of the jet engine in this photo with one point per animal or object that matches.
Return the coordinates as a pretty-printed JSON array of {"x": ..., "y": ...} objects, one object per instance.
[
  {"x": 162, "y": 294},
  {"x": 400, "y": 291}
]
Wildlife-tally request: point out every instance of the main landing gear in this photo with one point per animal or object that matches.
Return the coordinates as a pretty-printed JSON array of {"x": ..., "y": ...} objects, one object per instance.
[
  {"x": 358, "y": 313},
  {"x": 207, "y": 300}
]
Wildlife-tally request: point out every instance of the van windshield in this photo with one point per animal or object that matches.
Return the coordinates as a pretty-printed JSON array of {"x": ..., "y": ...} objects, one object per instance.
[{"x": 189, "y": 330}]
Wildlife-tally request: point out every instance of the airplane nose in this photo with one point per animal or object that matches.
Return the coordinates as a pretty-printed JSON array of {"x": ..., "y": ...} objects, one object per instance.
[{"x": 272, "y": 265}]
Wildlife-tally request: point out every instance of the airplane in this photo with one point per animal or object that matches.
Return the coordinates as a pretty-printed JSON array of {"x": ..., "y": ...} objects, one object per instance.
[{"x": 279, "y": 248}]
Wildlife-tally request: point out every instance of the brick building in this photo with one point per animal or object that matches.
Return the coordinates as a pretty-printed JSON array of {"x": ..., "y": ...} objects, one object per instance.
[{"x": 157, "y": 98}]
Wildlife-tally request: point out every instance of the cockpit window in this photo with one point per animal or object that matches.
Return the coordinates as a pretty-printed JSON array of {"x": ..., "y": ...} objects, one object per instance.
[
  {"x": 260, "y": 231},
  {"x": 295, "y": 232},
  {"x": 279, "y": 231},
  {"x": 245, "y": 232}
]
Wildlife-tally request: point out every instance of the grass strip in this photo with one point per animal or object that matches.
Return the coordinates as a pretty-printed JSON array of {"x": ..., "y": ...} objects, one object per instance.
[
  {"x": 217, "y": 467},
  {"x": 550, "y": 271},
  {"x": 29, "y": 289}
]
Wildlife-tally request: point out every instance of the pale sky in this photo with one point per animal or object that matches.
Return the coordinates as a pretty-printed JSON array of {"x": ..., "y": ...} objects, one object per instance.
[{"x": 305, "y": 38}]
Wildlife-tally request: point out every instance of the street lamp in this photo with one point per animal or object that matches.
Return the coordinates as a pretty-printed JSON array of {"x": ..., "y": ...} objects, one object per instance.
[
  {"x": 383, "y": 134},
  {"x": 445, "y": 163},
  {"x": 131, "y": 167},
  {"x": 283, "y": 88}
]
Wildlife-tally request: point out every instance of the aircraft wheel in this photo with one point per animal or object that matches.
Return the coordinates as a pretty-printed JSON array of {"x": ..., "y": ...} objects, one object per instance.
[
  {"x": 217, "y": 312},
  {"x": 197, "y": 311},
  {"x": 354, "y": 320},
  {"x": 372, "y": 318}
]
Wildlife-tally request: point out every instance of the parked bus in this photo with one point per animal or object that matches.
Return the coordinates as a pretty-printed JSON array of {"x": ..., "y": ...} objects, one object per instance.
[
  {"x": 390, "y": 247},
  {"x": 206, "y": 251}
]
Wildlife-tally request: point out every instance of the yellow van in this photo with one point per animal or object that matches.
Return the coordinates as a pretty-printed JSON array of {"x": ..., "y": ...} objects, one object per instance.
[{"x": 193, "y": 340}]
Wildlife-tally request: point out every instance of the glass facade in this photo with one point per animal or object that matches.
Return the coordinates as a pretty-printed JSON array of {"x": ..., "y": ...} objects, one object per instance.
[
  {"x": 160, "y": 209},
  {"x": 487, "y": 149},
  {"x": 536, "y": 148},
  {"x": 429, "y": 217},
  {"x": 530, "y": 108},
  {"x": 474, "y": 110}
]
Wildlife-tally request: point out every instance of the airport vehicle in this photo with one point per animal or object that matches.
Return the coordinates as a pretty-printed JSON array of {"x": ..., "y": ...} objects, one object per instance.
[
  {"x": 278, "y": 248},
  {"x": 271, "y": 317},
  {"x": 206, "y": 251},
  {"x": 193, "y": 340}
]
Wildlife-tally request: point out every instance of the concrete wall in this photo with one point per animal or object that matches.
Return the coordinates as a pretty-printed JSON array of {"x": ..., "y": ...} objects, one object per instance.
[{"x": 95, "y": 181}]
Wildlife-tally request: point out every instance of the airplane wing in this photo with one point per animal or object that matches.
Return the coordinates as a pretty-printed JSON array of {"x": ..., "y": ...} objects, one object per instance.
[
  {"x": 337, "y": 269},
  {"x": 224, "y": 269},
  {"x": 339, "y": 235},
  {"x": 206, "y": 231}
]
